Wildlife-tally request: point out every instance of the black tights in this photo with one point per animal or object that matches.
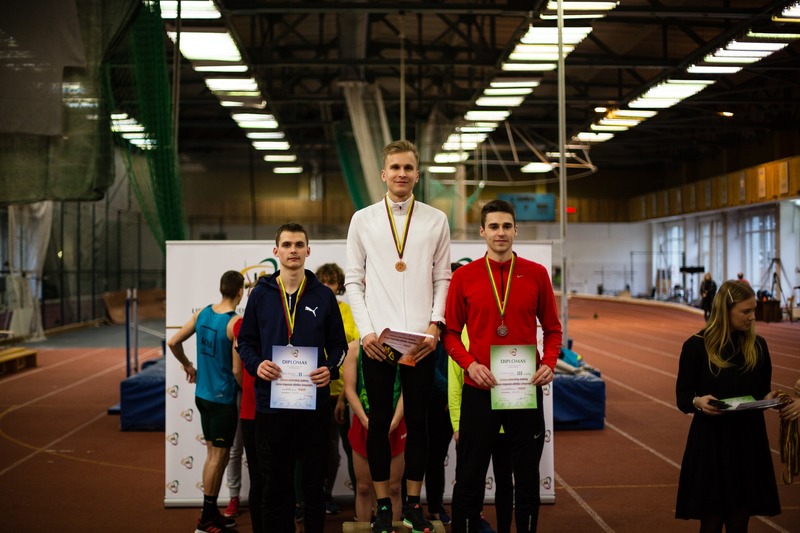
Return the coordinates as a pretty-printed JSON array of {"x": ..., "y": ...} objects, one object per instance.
[
  {"x": 734, "y": 522},
  {"x": 417, "y": 384}
]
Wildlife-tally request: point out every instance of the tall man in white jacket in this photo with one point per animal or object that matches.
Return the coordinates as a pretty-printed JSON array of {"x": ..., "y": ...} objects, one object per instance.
[{"x": 398, "y": 273}]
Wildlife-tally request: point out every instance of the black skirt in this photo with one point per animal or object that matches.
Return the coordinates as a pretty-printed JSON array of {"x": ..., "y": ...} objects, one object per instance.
[{"x": 727, "y": 466}]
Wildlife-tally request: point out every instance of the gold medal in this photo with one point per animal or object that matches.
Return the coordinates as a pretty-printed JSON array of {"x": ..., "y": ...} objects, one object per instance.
[{"x": 399, "y": 241}]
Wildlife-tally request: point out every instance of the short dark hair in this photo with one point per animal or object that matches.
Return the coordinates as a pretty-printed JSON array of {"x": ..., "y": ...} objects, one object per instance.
[
  {"x": 291, "y": 227},
  {"x": 399, "y": 147},
  {"x": 331, "y": 273},
  {"x": 230, "y": 283},
  {"x": 497, "y": 206}
]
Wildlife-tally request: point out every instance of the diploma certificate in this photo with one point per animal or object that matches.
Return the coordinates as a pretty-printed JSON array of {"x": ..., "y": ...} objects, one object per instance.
[
  {"x": 294, "y": 389},
  {"x": 513, "y": 368}
]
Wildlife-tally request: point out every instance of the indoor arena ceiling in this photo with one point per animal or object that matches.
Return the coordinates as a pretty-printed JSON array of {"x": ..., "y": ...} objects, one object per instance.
[{"x": 439, "y": 56}]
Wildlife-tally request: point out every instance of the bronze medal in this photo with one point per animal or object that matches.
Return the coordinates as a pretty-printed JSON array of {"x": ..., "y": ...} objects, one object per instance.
[
  {"x": 399, "y": 242},
  {"x": 502, "y": 330}
]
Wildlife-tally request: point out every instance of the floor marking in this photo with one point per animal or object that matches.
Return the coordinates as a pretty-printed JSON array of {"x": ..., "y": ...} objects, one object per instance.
[
  {"x": 586, "y": 507},
  {"x": 54, "y": 365}
]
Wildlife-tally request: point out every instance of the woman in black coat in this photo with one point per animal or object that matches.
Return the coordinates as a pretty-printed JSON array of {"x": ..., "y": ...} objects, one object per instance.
[
  {"x": 727, "y": 474},
  {"x": 708, "y": 289}
]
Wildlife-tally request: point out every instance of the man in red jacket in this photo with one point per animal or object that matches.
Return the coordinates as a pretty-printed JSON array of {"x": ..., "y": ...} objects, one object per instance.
[{"x": 481, "y": 297}]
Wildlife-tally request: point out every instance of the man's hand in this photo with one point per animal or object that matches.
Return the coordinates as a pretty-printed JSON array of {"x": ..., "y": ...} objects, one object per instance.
[
  {"x": 428, "y": 345},
  {"x": 372, "y": 347},
  {"x": 481, "y": 375},
  {"x": 268, "y": 371},
  {"x": 340, "y": 411},
  {"x": 321, "y": 376},
  {"x": 543, "y": 376},
  {"x": 191, "y": 373}
]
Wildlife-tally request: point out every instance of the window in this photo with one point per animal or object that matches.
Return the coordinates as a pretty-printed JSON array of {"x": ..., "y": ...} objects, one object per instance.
[{"x": 759, "y": 247}]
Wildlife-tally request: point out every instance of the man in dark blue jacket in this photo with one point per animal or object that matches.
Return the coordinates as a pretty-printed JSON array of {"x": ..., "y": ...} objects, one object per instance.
[{"x": 287, "y": 313}]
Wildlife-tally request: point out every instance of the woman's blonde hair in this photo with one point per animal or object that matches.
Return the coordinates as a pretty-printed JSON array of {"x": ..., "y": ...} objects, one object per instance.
[{"x": 718, "y": 334}]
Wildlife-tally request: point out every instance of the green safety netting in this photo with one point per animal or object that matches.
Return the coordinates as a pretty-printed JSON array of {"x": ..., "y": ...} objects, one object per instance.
[{"x": 138, "y": 85}]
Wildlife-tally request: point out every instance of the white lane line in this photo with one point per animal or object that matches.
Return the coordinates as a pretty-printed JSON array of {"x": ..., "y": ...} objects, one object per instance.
[
  {"x": 54, "y": 392},
  {"x": 640, "y": 392},
  {"x": 154, "y": 332},
  {"x": 50, "y": 444},
  {"x": 643, "y": 445},
  {"x": 676, "y": 465},
  {"x": 586, "y": 507},
  {"x": 630, "y": 362},
  {"x": 72, "y": 385}
]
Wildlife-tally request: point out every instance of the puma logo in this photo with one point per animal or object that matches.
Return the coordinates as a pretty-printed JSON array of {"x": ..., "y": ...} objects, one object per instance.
[{"x": 313, "y": 311}]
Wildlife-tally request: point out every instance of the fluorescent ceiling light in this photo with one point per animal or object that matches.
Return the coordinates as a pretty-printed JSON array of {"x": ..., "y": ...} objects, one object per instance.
[
  {"x": 126, "y": 128},
  {"x": 271, "y": 145},
  {"x": 771, "y": 35},
  {"x": 527, "y": 67},
  {"x": 654, "y": 103},
  {"x": 220, "y": 68},
  {"x": 454, "y": 147},
  {"x": 263, "y": 121},
  {"x": 137, "y": 135},
  {"x": 477, "y": 129},
  {"x": 480, "y": 116},
  {"x": 207, "y": 45},
  {"x": 442, "y": 170},
  {"x": 466, "y": 137},
  {"x": 742, "y": 53},
  {"x": 251, "y": 117},
  {"x": 746, "y": 45},
  {"x": 287, "y": 170},
  {"x": 263, "y": 135},
  {"x": 532, "y": 56},
  {"x": 255, "y": 103},
  {"x": 515, "y": 82},
  {"x": 582, "y": 6},
  {"x": 231, "y": 84},
  {"x": 619, "y": 122},
  {"x": 190, "y": 9},
  {"x": 669, "y": 93},
  {"x": 549, "y": 35},
  {"x": 537, "y": 167},
  {"x": 637, "y": 113},
  {"x": 509, "y": 91},
  {"x": 603, "y": 127},
  {"x": 587, "y": 136},
  {"x": 792, "y": 11},
  {"x": 450, "y": 157},
  {"x": 549, "y": 49},
  {"x": 280, "y": 158},
  {"x": 730, "y": 59},
  {"x": 500, "y": 101},
  {"x": 712, "y": 69}
]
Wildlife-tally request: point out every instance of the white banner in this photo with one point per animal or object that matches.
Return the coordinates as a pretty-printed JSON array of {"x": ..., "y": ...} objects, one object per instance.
[{"x": 193, "y": 272}]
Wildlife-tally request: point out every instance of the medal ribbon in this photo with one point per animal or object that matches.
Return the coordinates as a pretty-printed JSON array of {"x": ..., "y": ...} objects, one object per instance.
[
  {"x": 501, "y": 305},
  {"x": 289, "y": 315},
  {"x": 400, "y": 245}
]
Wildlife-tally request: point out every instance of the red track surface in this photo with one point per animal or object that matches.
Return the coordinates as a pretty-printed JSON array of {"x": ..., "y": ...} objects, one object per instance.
[{"x": 64, "y": 464}]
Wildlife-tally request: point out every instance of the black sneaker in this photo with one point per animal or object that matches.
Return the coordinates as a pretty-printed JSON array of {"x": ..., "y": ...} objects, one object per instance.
[
  {"x": 207, "y": 527},
  {"x": 224, "y": 523},
  {"x": 383, "y": 522},
  {"x": 414, "y": 518}
]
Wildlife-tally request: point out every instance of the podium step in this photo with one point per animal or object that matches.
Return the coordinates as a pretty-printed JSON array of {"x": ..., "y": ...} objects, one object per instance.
[{"x": 399, "y": 527}]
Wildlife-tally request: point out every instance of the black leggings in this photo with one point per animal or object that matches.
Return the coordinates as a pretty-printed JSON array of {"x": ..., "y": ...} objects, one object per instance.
[{"x": 417, "y": 383}]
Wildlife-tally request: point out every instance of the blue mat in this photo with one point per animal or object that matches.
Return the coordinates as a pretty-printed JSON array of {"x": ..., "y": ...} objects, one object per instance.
[
  {"x": 142, "y": 400},
  {"x": 579, "y": 401}
]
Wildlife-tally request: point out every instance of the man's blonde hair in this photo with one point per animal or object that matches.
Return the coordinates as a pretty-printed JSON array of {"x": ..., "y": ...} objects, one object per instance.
[{"x": 399, "y": 147}]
